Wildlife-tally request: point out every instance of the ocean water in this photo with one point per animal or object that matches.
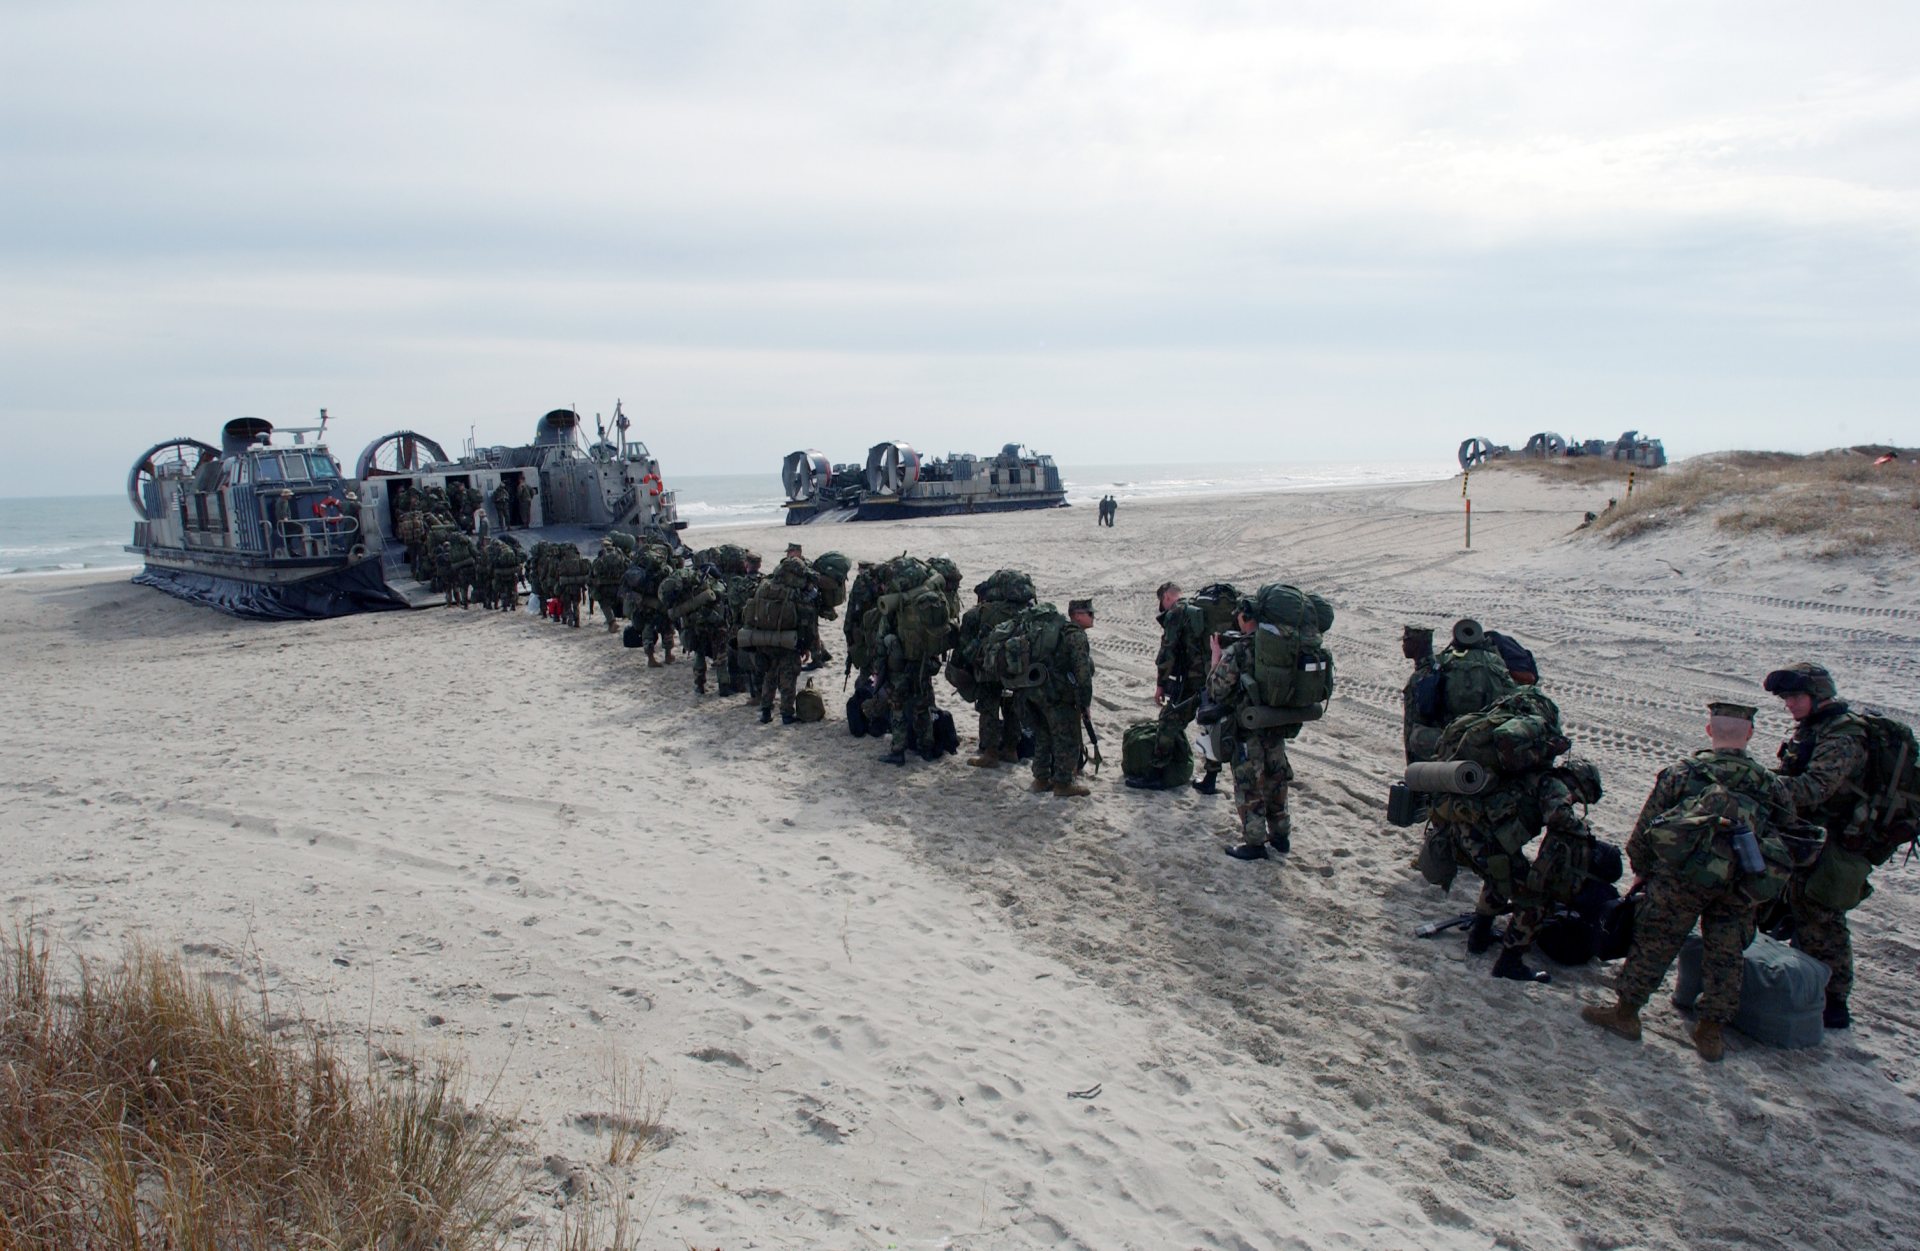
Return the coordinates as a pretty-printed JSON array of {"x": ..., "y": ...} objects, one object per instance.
[{"x": 79, "y": 532}]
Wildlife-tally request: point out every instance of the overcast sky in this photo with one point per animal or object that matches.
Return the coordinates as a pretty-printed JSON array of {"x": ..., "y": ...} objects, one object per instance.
[{"x": 1117, "y": 232}]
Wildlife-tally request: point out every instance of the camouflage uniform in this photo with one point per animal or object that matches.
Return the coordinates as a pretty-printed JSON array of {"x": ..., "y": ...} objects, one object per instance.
[
  {"x": 608, "y": 568},
  {"x": 460, "y": 566},
  {"x": 504, "y": 562},
  {"x": 503, "y": 506},
  {"x": 779, "y": 668},
  {"x": 1181, "y": 667},
  {"x": 1053, "y": 709},
  {"x": 708, "y": 633},
  {"x": 999, "y": 718},
  {"x": 570, "y": 574},
  {"x": 1261, "y": 770},
  {"x": 1725, "y": 912},
  {"x": 745, "y": 674},
  {"x": 1824, "y": 768}
]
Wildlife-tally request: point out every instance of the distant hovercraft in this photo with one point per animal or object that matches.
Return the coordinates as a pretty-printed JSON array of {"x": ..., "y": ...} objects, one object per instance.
[{"x": 898, "y": 481}]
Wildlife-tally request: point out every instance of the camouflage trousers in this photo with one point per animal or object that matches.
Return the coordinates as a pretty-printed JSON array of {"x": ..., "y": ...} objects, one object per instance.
[
  {"x": 1558, "y": 871},
  {"x": 708, "y": 647},
  {"x": 999, "y": 719},
  {"x": 570, "y": 597},
  {"x": 1663, "y": 921},
  {"x": 460, "y": 584},
  {"x": 656, "y": 627},
  {"x": 506, "y": 590},
  {"x": 910, "y": 704},
  {"x": 779, "y": 672},
  {"x": 1822, "y": 933},
  {"x": 608, "y": 597},
  {"x": 1055, "y": 722},
  {"x": 1261, "y": 772}
]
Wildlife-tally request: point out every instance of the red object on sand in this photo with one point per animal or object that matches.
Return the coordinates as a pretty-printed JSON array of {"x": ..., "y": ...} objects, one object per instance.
[
  {"x": 553, "y": 608},
  {"x": 1886, "y": 460}
]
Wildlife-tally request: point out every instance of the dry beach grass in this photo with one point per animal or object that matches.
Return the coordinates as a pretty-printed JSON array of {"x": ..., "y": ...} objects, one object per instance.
[{"x": 141, "y": 1107}]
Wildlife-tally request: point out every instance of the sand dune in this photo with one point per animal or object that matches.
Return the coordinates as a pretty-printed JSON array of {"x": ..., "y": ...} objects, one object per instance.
[{"x": 924, "y": 1008}]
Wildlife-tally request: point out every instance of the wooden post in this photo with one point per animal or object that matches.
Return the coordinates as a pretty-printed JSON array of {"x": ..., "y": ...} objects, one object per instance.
[
  {"x": 1630, "y": 474},
  {"x": 1468, "y": 501}
]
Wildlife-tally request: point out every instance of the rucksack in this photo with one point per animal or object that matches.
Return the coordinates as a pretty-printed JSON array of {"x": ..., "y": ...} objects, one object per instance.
[
  {"x": 1517, "y": 659},
  {"x": 1694, "y": 837},
  {"x": 773, "y": 606},
  {"x": 1155, "y": 755},
  {"x": 1889, "y": 816},
  {"x": 1290, "y": 667},
  {"x": 1020, "y": 652},
  {"x": 1464, "y": 681},
  {"x": 1219, "y": 603},
  {"x": 808, "y": 704},
  {"x": 920, "y": 621},
  {"x": 1514, "y": 735},
  {"x": 1007, "y": 586}
]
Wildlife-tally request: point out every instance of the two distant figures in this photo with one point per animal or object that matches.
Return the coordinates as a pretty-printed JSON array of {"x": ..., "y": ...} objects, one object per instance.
[{"x": 1108, "y": 507}]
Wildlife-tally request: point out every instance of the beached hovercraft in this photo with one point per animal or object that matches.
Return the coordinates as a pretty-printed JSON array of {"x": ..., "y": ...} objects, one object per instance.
[
  {"x": 256, "y": 529},
  {"x": 897, "y": 482},
  {"x": 559, "y": 488}
]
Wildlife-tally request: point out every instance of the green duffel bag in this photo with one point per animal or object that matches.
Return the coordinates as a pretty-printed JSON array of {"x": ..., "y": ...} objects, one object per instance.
[
  {"x": 1155, "y": 756},
  {"x": 1839, "y": 880}
]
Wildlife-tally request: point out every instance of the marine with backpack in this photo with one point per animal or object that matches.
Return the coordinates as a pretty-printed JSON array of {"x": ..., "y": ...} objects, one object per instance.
[
  {"x": 1853, "y": 774},
  {"x": 1188, "y": 627},
  {"x": 1002, "y": 595},
  {"x": 1470, "y": 675},
  {"x": 1712, "y": 841},
  {"x": 1041, "y": 656},
  {"x": 1274, "y": 675}
]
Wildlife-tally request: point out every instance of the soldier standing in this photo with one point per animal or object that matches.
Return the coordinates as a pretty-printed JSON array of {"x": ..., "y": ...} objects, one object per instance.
[
  {"x": 1825, "y": 766},
  {"x": 1261, "y": 770},
  {"x": 571, "y": 573},
  {"x": 608, "y": 568},
  {"x": 524, "y": 496},
  {"x": 1186, "y": 653},
  {"x": 999, "y": 597},
  {"x": 503, "y": 505},
  {"x": 1723, "y": 785},
  {"x": 1052, "y": 710},
  {"x": 779, "y": 667},
  {"x": 1418, "y": 737}
]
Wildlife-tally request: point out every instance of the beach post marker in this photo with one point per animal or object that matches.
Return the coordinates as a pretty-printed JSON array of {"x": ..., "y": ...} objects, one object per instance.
[
  {"x": 1630, "y": 474},
  {"x": 1468, "y": 501}
]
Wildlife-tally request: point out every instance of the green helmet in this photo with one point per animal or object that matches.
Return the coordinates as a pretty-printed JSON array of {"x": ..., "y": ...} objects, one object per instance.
[{"x": 1583, "y": 776}]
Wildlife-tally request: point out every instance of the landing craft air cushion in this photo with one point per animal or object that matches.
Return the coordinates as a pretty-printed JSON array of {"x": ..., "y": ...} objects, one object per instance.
[{"x": 897, "y": 482}]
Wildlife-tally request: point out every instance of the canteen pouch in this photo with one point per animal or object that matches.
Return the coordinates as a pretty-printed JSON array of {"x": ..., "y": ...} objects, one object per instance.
[{"x": 1839, "y": 881}]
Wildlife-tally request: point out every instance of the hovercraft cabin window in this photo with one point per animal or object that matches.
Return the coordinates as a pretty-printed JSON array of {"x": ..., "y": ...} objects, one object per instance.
[{"x": 267, "y": 469}]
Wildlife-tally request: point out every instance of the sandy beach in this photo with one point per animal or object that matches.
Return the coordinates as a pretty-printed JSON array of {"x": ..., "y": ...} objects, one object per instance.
[{"x": 925, "y": 1008}]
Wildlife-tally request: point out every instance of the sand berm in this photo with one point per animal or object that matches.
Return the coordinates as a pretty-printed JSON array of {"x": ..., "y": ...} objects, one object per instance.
[{"x": 876, "y": 993}]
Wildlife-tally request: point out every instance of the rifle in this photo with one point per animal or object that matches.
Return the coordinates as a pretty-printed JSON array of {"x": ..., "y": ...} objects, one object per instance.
[
  {"x": 1432, "y": 928},
  {"x": 1086, "y": 722}
]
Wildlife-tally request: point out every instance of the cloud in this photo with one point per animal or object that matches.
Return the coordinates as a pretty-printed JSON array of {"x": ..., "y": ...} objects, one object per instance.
[{"x": 1098, "y": 221}]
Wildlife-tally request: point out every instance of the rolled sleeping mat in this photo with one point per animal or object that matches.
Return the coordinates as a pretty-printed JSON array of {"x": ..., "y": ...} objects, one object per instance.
[
  {"x": 691, "y": 603},
  {"x": 772, "y": 640},
  {"x": 1255, "y": 717},
  {"x": 1448, "y": 777},
  {"x": 1467, "y": 632}
]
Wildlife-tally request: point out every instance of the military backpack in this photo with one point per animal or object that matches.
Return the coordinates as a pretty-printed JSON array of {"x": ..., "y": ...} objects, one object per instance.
[
  {"x": 1022, "y": 651},
  {"x": 1291, "y": 668},
  {"x": 1514, "y": 735},
  {"x": 1694, "y": 838},
  {"x": 1155, "y": 756},
  {"x": 1889, "y": 816},
  {"x": 1007, "y": 586},
  {"x": 808, "y": 705},
  {"x": 920, "y": 620}
]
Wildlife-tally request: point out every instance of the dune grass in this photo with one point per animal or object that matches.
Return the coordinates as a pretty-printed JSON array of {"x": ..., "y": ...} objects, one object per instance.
[
  {"x": 1840, "y": 504},
  {"x": 141, "y": 1108}
]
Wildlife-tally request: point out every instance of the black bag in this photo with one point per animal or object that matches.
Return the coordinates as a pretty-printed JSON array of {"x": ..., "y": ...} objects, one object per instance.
[
  {"x": 1616, "y": 926},
  {"x": 1517, "y": 659},
  {"x": 1574, "y": 935},
  {"x": 856, "y": 716},
  {"x": 946, "y": 736},
  {"x": 1430, "y": 697},
  {"x": 630, "y": 637},
  {"x": 1024, "y": 749}
]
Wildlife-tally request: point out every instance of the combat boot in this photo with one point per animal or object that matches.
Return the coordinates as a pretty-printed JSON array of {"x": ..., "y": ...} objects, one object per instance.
[
  {"x": 1279, "y": 843},
  {"x": 1836, "y": 1015},
  {"x": 1070, "y": 790},
  {"x": 1479, "y": 935},
  {"x": 651, "y": 662},
  {"x": 787, "y": 718},
  {"x": 1208, "y": 784},
  {"x": 1618, "y": 1019},
  {"x": 1512, "y": 965},
  {"x": 1707, "y": 1040},
  {"x": 669, "y": 655},
  {"x": 1041, "y": 784},
  {"x": 1010, "y": 755},
  {"x": 985, "y": 760},
  {"x": 766, "y": 716},
  {"x": 895, "y": 757},
  {"x": 1248, "y": 851}
]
